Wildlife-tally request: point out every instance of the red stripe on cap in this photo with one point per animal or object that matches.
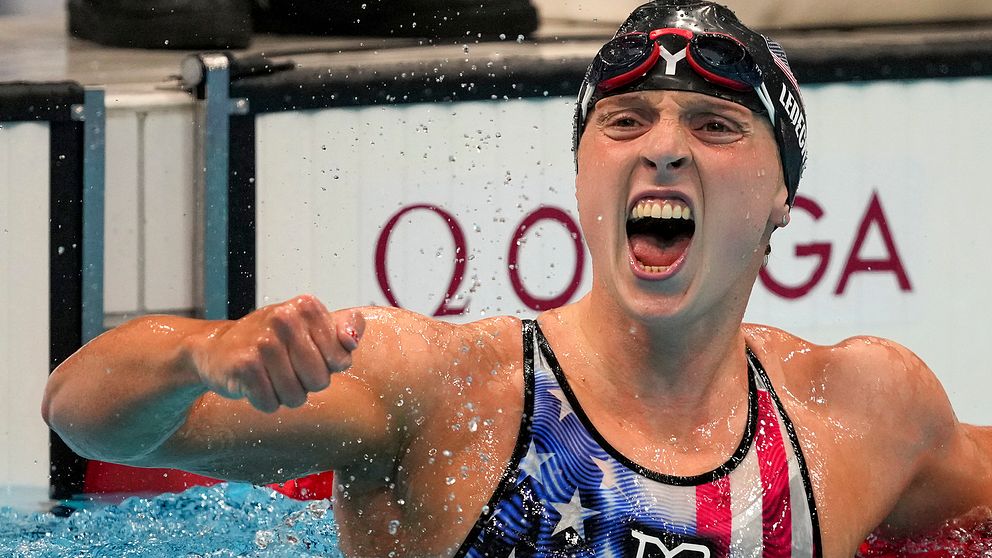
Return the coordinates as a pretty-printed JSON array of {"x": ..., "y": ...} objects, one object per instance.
[
  {"x": 776, "y": 503},
  {"x": 713, "y": 514}
]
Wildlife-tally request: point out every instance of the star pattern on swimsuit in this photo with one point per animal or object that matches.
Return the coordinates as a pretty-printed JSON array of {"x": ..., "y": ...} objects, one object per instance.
[
  {"x": 530, "y": 465},
  {"x": 573, "y": 515},
  {"x": 609, "y": 475},
  {"x": 566, "y": 409}
]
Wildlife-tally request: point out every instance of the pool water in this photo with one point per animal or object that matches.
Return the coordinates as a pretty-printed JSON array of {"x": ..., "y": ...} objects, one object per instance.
[
  {"x": 220, "y": 521},
  {"x": 228, "y": 520},
  {"x": 968, "y": 537}
]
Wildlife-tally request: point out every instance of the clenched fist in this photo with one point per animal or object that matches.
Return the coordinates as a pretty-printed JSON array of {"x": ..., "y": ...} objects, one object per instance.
[{"x": 278, "y": 354}]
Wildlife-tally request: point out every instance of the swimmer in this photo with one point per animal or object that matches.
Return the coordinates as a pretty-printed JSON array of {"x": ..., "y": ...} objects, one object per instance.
[{"x": 645, "y": 419}]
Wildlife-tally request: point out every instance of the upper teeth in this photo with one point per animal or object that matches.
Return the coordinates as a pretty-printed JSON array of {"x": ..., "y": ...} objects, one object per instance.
[{"x": 661, "y": 209}]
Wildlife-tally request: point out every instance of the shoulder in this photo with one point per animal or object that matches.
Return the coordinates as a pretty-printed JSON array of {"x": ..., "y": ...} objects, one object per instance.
[
  {"x": 855, "y": 360},
  {"x": 862, "y": 377}
]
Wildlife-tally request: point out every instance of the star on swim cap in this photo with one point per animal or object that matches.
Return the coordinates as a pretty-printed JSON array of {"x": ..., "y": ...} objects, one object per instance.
[{"x": 700, "y": 46}]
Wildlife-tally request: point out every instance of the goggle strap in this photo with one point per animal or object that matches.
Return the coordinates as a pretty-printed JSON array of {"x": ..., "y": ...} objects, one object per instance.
[
  {"x": 766, "y": 100},
  {"x": 585, "y": 98}
]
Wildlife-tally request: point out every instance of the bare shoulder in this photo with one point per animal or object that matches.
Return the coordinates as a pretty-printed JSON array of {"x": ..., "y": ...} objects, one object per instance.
[{"x": 864, "y": 377}]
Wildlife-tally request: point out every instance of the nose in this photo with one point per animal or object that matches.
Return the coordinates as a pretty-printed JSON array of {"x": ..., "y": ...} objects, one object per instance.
[{"x": 665, "y": 151}]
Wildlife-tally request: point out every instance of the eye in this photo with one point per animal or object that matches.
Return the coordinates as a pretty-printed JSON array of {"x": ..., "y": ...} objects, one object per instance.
[
  {"x": 624, "y": 124},
  {"x": 623, "y": 119},
  {"x": 715, "y": 128}
]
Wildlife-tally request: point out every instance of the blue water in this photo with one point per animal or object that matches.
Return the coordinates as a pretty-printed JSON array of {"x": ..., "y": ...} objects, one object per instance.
[
  {"x": 229, "y": 520},
  {"x": 221, "y": 521}
]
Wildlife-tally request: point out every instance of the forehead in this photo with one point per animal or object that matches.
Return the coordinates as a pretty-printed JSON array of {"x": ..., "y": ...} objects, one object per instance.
[{"x": 685, "y": 100}]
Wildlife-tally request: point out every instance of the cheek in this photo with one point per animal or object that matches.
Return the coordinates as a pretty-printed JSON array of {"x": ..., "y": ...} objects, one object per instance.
[
  {"x": 738, "y": 212},
  {"x": 593, "y": 218}
]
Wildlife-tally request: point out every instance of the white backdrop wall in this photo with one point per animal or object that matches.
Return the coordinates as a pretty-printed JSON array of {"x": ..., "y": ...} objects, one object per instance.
[
  {"x": 24, "y": 301},
  {"x": 888, "y": 237}
]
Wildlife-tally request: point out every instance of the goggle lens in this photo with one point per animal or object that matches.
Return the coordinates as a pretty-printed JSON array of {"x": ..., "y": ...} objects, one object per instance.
[
  {"x": 625, "y": 50},
  {"x": 719, "y": 52}
]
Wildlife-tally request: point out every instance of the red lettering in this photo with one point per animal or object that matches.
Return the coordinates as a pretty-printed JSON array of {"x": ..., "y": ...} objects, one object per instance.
[
  {"x": 892, "y": 263},
  {"x": 531, "y": 301},
  {"x": 445, "y": 308},
  {"x": 821, "y": 250}
]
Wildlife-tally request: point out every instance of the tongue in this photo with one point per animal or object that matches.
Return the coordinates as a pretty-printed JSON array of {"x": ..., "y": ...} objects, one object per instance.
[{"x": 651, "y": 250}]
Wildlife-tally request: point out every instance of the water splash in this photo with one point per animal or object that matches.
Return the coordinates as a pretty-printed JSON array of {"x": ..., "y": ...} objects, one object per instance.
[{"x": 221, "y": 521}]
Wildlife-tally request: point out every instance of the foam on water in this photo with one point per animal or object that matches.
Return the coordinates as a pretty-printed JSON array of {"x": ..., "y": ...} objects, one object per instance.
[{"x": 221, "y": 521}]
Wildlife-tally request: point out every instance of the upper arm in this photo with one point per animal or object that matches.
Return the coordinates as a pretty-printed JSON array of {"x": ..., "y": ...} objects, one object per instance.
[{"x": 947, "y": 464}]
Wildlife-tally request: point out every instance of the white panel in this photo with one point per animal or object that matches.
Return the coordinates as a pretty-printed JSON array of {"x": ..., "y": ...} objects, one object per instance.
[
  {"x": 121, "y": 241},
  {"x": 284, "y": 174},
  {"x": 327, "y": 188},
  {"x": 24, "y": 301},
  {"x": 169, "y": 210}
]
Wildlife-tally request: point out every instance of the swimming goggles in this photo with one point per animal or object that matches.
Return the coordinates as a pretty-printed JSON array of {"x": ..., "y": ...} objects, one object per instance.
[{"x": 719, "y": 59}]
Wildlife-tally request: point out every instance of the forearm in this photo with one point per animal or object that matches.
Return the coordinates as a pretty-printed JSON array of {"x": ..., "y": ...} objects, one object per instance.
[{"x": 125, "y": 393}]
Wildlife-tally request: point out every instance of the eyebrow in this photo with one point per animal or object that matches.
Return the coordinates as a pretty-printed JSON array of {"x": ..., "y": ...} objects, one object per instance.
[{"x": 698, "y": 101}]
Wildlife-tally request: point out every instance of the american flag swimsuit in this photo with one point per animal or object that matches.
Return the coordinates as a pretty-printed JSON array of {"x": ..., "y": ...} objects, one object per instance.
[{"x": 567, "y": 493}]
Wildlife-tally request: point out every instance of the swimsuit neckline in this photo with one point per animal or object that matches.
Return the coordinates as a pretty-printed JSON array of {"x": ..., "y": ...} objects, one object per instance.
[{"x": 747, "y": 438}]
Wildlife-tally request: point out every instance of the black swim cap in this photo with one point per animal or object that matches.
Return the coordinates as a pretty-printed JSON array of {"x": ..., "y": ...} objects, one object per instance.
[{"x": 775, "y": 92}]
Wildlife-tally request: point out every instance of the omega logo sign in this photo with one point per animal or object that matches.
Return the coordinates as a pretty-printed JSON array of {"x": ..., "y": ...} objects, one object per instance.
[
  {"x": 448, "y": 307},
  {"x": 873, "y": 220}
]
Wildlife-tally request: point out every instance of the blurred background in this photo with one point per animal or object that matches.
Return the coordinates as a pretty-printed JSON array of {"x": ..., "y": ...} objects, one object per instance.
[{"x": 759, "y": 13}]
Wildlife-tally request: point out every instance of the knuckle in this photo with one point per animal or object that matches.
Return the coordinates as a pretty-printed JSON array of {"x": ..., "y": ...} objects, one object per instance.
[
  {"x": 267, "y": 345},
  {"x": 309, "y": 306},
  {"x": 248, "y": 367},
  {"x": 284, "y": 318},
  {"x": 253, "y": 375},
  {"x": 309, "y": 299}
]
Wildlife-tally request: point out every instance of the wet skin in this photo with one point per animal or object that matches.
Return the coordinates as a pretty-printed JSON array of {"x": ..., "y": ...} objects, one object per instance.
[{"x": 420, "y": 416}]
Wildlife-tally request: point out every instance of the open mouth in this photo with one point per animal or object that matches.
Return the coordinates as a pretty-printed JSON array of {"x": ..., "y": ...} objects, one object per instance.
[{"x": 659, "y": 232}]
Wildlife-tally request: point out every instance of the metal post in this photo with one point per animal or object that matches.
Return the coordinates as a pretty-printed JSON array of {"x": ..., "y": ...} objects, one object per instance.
[
  {"x": 216, "y": 147},
  {"x": 93, "y": 115}
]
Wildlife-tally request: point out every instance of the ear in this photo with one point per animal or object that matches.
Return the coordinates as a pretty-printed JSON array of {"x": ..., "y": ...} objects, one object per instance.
[{"x": 779, "y": 216}]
